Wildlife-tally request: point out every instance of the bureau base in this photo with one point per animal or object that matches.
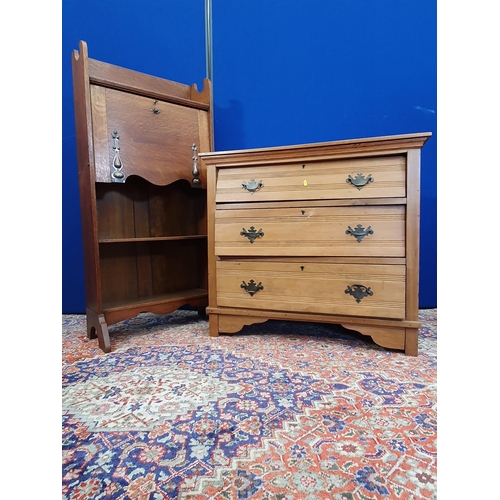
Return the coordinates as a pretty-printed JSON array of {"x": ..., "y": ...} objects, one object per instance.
[
  {"x": 97, "y": 323},
  {"x": 391, "y": 334}
]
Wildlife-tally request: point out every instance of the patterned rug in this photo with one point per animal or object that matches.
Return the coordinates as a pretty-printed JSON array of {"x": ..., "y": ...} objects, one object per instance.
[{"x": 281, "y": 411}]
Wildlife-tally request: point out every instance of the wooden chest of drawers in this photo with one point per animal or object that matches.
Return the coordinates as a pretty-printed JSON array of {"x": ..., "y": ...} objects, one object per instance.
[{"x": 325, "y": 232}]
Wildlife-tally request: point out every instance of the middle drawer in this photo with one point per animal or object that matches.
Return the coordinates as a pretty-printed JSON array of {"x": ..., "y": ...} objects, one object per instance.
[{"x": 360, "y": 231}]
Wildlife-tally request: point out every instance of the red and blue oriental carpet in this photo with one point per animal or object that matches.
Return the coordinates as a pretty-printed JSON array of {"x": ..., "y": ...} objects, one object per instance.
[{"x": 279, "y": 411}]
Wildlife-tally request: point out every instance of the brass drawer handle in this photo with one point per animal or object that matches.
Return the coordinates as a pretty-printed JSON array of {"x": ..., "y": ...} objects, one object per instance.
[
  {"x": 359, "y": 181},
  {"x": 251, "y": 287},
  {"x": 252, "y": 233},
  {"x": 359, "y": 233},
  {"x": 358, "y": 291},
  {"x": 252, "y": 185}
]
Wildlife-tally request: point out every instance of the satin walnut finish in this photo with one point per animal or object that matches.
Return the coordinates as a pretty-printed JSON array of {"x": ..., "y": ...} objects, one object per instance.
[{"x": 324, "y": 232}]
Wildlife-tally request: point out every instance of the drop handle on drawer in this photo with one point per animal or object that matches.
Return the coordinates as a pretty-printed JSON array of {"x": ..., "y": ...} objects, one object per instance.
[
  {"x": 252, "y": 234},
  {"x": 358, "y": 291},
  {"x": 117, "y": 175},
  {"x": 359, "y": 233},
  {"x": 252, "y": 186},
  {"x": 251, "y": 287},
  {"x": 360, "y": 180}
]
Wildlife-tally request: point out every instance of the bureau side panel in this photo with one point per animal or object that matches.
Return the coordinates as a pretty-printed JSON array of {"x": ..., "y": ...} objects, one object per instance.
[{"x": 86, "y": 177}]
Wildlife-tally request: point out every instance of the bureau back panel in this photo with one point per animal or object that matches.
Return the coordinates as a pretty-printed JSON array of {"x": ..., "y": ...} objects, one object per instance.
[{"x": 139, "y": 209}]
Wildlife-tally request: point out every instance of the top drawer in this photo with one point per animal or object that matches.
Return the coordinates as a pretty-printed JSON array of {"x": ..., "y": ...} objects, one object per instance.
[{"x": 360, "y": 178}]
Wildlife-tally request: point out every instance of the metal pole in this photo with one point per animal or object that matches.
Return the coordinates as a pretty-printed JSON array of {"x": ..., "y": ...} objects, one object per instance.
[{"x": 208, "y": 39}]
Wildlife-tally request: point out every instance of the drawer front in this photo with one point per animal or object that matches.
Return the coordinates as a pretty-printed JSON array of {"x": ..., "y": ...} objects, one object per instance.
[
  {"x": 154, "y": 137},
  {"x": 370, "y": 231},
  {"x": 346, "y": 289},
  {"x": 373, "y": 177}
]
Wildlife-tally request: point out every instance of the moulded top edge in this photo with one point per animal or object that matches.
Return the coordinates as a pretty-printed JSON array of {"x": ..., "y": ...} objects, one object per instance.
[{"x": 416, "y": 140}]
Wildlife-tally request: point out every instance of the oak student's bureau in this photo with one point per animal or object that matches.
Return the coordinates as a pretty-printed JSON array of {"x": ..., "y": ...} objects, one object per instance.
[
  {"x": 142, "y": 192},
  {"x": 325, "y": 232}
]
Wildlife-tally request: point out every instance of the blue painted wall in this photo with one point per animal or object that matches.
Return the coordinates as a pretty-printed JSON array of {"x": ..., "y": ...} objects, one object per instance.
[
  {"x": 291, "y": 72},
  {"x": 283, "y": 73}
]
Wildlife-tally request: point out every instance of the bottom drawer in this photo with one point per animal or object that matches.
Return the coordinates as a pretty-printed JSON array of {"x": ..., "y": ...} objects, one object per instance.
[{"x": 369, "y": 290}]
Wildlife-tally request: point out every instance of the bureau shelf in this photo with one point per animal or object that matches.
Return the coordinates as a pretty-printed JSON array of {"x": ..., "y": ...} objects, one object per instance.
[
  {"x": 150, "y": 239},
  {"x": 154, "y": 300}
]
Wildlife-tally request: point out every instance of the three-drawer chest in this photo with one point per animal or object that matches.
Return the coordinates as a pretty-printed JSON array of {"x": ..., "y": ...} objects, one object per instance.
[{"x": 325, "y": 232}]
